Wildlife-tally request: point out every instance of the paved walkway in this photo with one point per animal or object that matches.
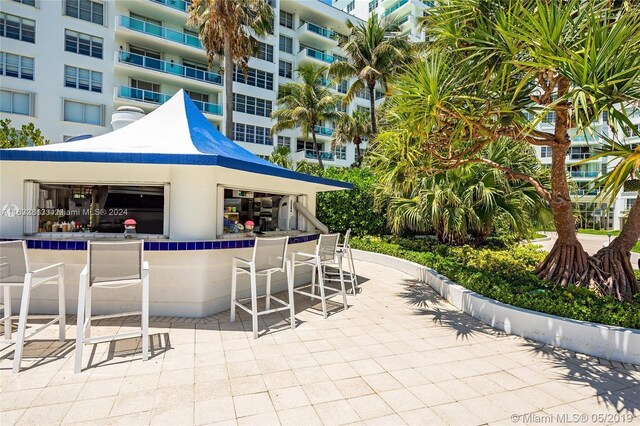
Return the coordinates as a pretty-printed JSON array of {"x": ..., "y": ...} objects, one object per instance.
[{"x": 398, "y": 355}]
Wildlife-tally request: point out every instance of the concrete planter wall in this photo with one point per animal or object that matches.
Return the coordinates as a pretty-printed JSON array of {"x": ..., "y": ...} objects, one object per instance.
[{"x": 612, "y": 343}]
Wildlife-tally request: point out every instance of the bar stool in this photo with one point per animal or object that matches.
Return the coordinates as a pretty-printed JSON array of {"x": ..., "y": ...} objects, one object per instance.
[
  {"x": 112, "y": 265},
  {"x": 269, "y": 256},
  {"x": 324, "y": 256},
  {"x": 15, "y": 271},
  {"x": 344, "y": 251}
]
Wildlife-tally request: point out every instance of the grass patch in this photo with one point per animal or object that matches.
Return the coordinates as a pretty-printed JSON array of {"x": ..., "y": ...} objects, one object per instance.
[
  {"x": 598, "y": 232},
  {"x": 636, "y": 247},
  {"x": 538, "y": 235},
  {"x": 507, "y": 275}
]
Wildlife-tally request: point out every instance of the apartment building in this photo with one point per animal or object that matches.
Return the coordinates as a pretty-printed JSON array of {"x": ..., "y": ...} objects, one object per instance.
[{"x": 66, "y": 65}]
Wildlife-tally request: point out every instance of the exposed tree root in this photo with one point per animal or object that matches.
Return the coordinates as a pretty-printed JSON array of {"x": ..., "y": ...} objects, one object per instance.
[{"x": 566, "y": 263}]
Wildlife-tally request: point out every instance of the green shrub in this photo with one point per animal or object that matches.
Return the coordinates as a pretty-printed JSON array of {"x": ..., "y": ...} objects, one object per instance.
[
  {"x": 341, "y": 210},
  {"x": 507, "y": 275}
]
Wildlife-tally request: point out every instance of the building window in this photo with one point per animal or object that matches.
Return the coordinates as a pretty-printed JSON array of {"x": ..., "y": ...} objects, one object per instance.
[
  {"x": 251, "y": 105},
  {"x": 286, "y": 19},
  {"x": 27, "y": 2},
  {"x": 340, "y": 152},
  {"x": 16, "y": 66},
  {"x": 83, "y": 79},
  {"x": 631, "y": 131},
  {"x": 286, "y": 44},
  {"x": 372, "y": 5},
  {"x": 198, "y": 97},
  {"x": 264, "y": 52},
  {"x": 145, "y": 52},
  {"x": 80, "y": 112},
  {"x": 351, "y": 6},
  {"x": 308, "y": 145},
  {"x": 284, "y": 141},
  {"x": 285, "y": 69},
  {"x": 257, "y": 78},
  {"x": 630, "y": 203},
  {"x": 545, "y": 152},
  {"x": 86, "y": 10},
  {"x": 16, "y": 102},
  {"x": 252, "y": 134},
  {"x": 18, "y": 28},
  {"x": 82, "y": 44}
]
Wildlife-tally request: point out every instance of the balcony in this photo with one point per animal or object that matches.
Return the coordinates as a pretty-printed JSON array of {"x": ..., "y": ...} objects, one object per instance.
[
  {"x": 159, "y": 31},
  {"x": 312, "y": 155},
  {"x": 316, "y": 34},
  {"x": 579, "y": 156},
  {"x": 168, "y": 68},
  {"x": 180, "y": 5},
  {"x": 148, "y": 96},
  {"x": 317, "y": 57},
  {"x": 397, "y": 5},
  {"x": 582, "y": 174},
  {"x": 323, "y": 131}
]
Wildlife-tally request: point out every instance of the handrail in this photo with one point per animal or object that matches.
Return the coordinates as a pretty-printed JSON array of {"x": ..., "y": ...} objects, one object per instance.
[{"x": 159, "y": 31}]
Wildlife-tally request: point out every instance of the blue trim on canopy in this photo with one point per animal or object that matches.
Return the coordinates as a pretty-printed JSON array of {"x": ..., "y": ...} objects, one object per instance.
[{"x": 216, "y": 149}]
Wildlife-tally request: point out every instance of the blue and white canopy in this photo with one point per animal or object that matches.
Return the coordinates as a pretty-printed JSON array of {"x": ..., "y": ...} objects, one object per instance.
[{"x": 176, "y": 134}]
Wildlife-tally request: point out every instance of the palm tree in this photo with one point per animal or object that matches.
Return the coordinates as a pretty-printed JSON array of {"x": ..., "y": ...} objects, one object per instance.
[
  {"x": 306, "y": 104},
  {"x": 227, "y": 29},
  {"x": 281, "y": 156},
  {"x": 353, "y": 128},
  {"x": 375, "y": 50}
]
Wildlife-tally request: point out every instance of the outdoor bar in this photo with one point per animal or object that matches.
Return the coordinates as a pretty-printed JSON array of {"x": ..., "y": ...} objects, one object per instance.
[{"x": 196, "y": 198}]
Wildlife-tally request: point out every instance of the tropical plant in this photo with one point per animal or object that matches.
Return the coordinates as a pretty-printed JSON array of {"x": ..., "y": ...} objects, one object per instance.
[
  {"x": 497, "y": 69},
  {"x": 228, "y": 30},
  {"x": 355, "y": 129},
  {"x": 281, "y": 156},
  {"x": 375, "y": 50},
  {"x": 306, "y": 104},
  {"x": 10, "y": 137}
]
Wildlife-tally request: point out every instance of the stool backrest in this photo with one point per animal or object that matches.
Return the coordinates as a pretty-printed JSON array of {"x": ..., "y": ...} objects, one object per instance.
[
  {"x": 13, "y": 259},
  {"x": 326, "y": 247},
  {"x": 347, "y": 234},
  {"x": 270, "y": 253},
  {"x": 115, "y": 261}
]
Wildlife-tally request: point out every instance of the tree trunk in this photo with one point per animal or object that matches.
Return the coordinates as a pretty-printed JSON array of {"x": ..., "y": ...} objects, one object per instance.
[
  {"x": 567, "y": 262},
  {"x": 613, "y": 273},
  {"x": 315, "y": 147},
  {"x": 357, "y": 141},
  {"x": 228, "y": 90},
  {"x": 372, "y": 109}
]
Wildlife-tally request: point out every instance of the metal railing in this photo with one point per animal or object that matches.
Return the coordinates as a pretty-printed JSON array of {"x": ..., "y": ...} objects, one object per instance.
[
  {"x": 324, "y": 131},
  {"x": 316, "y": 54},
  {"x": 159, "y": 31},
  {"x": 584, "y": 174},
  {"x": 149, "y": 96},
  {"x": 326, "y": 156},
  {"x": 168, "y": 67},
  {"x": 180, "y": 5},
  {"x": 396, "y": 6}
]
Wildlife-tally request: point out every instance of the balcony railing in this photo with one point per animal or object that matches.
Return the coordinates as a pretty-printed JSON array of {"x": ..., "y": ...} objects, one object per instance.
[
  {"x": 584, "y": 174},
  {"x": 323, "y": 131},
  {"x": 579, "y": 156},
  {"x": 316, "y": 54},
  {"x": 326, "y": 156},
  {"x": 395, "y": 7},
  {"x": 159, "y": 31},
  {"x": 587, "y": 192},
  {"x": 324, "y": 32},
  {"x": 168, "y": 67},
  {"x": 175, "y": 4},
  {"x": 149, "y": 96}
]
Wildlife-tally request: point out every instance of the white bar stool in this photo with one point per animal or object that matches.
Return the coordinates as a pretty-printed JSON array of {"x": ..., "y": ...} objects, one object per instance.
[
  {"x": 269, "y": 256},
  {"x": 343, "y": 251},
  {"x": 15, "y": 271},
  {"x": 325, "y": 255}
]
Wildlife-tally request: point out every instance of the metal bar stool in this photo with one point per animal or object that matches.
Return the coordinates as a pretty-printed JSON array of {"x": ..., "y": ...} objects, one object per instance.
[
  {"x": 324, "y": 256},
  {"x": 112, "y": 265},
  {"x": 343, "y": 251},
  {"x": 15, "y": 271},
  {"x": 269, "y": 256}
]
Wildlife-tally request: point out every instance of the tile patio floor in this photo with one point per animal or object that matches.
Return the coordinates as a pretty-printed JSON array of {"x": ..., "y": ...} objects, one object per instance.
[{"x": 398, "y": 355}]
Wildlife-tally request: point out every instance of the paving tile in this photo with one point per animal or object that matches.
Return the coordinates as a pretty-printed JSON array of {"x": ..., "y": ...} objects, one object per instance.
[
  {"x": 353, "y": 387},
  {"x": 89, "y": 410},
  {"x": 431, "y": 395},
  {"x": 321, "y": 392},
  {"x": 336, "y": 412},
  {"x": 247, "y": 385},
  {"x": 18, "y": 399},
  {"x": 401, "y": 400},
  {"x": 421, "y": 416},
  {"x": 173, "y": 415},
  {"x": 214, "y": 410},
  {"x": 280, "y": 379},
  {"x": 308, "y": 375},
  {"x": 8, "y": 418},
  {"x": 455, "y": 413},
  {"x": 174, "y": 395},
  {"x": 299, "y": 416},
  {"x": 286, "y": 398},
  {"x": 132, "y": 403},
  {"x": 370, "y": 406},
  {"x": 249, "y": 405},
  {"x": 46, "y": 414},
  {"x": 382, "y": 382},
  {"x": 391, "y": 420}
]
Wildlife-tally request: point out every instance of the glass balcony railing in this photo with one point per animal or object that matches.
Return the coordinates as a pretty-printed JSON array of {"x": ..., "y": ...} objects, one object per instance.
[
  {"x": 149, "y": 96},
  {"x": 323, "y": 131},
  {"x": 159, "y": 31},
  {"x": 168, "y": 67},
  {"x": 584, "y": 174},
  {"x": 316, "y": 54},
  {"x": 587, "y": 192},
  {"x": 320, "y": 30},
  {"x": 326, "y": 156},
  {"x": 180, "y": 5},
  {"x": 579, "y": 156},
  {"x": 394, "y": 7}
]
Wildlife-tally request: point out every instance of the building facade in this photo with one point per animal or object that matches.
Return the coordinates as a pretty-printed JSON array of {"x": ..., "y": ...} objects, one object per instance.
[{"x": 66, "y": 65}]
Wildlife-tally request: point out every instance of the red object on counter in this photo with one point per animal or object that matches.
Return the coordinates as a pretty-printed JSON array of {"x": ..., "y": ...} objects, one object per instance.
[{"x": 130, "y": 222}]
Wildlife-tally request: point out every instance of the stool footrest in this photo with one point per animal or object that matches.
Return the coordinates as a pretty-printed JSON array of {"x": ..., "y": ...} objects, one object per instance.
[{"x": 108, "y": 316}]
